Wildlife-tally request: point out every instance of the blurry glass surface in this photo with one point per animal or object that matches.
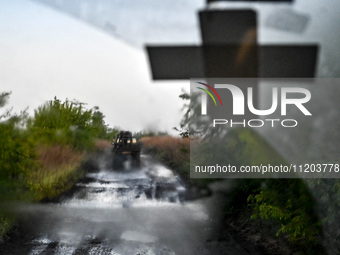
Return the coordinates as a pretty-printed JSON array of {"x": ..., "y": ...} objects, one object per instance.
[{"x": 176, "y": 22}]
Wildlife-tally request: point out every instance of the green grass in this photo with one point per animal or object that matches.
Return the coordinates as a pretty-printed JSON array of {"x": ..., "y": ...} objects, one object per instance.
[
  {"x": 57, "y": 169},
  {"x": 53, "y": 184},
  {"x": 6, "y": 224}
]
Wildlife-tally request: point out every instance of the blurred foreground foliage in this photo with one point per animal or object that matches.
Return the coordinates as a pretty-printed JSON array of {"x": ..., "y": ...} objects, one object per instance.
[
  {"x": 287, "y": 205},
  {"x": 305, "y": 212},
  {"x": 289, "y": 202},
  {"x": 40, "y": 156}
]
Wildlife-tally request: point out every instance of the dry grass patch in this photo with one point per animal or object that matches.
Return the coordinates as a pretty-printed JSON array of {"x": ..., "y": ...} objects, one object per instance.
[
  {"x": 58, "y": 169},
  {"x": 57, "y": 155},
  {"x": 101, "y": 144},
  {"x": 173, "y": 151}
]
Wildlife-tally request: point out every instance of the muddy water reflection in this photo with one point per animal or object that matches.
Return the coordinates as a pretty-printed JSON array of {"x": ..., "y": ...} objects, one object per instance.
[{"x": 135, "y": 211}]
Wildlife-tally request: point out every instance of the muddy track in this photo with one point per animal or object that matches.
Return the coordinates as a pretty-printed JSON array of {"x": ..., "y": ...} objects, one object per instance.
[{"x": 132, "y": 211}]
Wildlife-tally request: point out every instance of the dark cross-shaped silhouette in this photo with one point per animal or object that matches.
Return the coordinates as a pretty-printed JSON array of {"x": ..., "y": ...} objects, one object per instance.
[
  {"x": 210, "y": 1},
  {"x": 230, "y": 49}
]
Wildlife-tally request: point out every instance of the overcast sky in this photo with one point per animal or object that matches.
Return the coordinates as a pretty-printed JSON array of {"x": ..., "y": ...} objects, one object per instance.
[
  {"x": 45, "y": 53},
  {"x": 94, "y": 51}
]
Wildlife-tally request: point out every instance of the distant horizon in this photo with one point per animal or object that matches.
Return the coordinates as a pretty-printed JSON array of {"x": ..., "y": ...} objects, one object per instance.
[{"x": 47, "y": 54}]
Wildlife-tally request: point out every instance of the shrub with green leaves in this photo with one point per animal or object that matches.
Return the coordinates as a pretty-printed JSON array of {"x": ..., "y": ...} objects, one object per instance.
[
  {"x": 40, "y": 156},
  {"x": 16, "y": 153},
  {"x": 67, "y": 123},
  {"x": 289, "y": 202}
]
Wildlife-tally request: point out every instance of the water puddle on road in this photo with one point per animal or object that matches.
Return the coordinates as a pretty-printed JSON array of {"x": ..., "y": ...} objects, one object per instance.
[
  {"x": 154, "y": 185},
  {"x": 137, "y": 237},
  {"x": 133, "y": 211}
]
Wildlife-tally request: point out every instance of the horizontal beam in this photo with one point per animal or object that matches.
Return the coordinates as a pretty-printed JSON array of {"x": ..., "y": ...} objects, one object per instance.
[
  {"x": 273, "y": 61},
  {"x": 175, "y": 63},
  {"x": 287, "y": 61},
  {"x": 273, "y": 1}
]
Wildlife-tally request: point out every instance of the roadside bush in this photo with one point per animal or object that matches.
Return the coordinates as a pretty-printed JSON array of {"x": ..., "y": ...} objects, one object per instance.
[
  {"x": 289, "y": 202},
  {"x": 16, "y": 158},
  {"x": 63, "y": 131},
  {"x": 40, "y": 157},
  {"x": 67, "y": 123},
  {"x": 17, "y": 154}
]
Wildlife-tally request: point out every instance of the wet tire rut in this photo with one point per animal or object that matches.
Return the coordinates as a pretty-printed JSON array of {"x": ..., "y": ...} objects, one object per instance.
[{"x": 131, "y": 211}]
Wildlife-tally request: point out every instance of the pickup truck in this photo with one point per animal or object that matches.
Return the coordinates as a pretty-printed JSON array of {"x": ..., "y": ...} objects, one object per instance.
[{"x": 125, "y": 147}]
